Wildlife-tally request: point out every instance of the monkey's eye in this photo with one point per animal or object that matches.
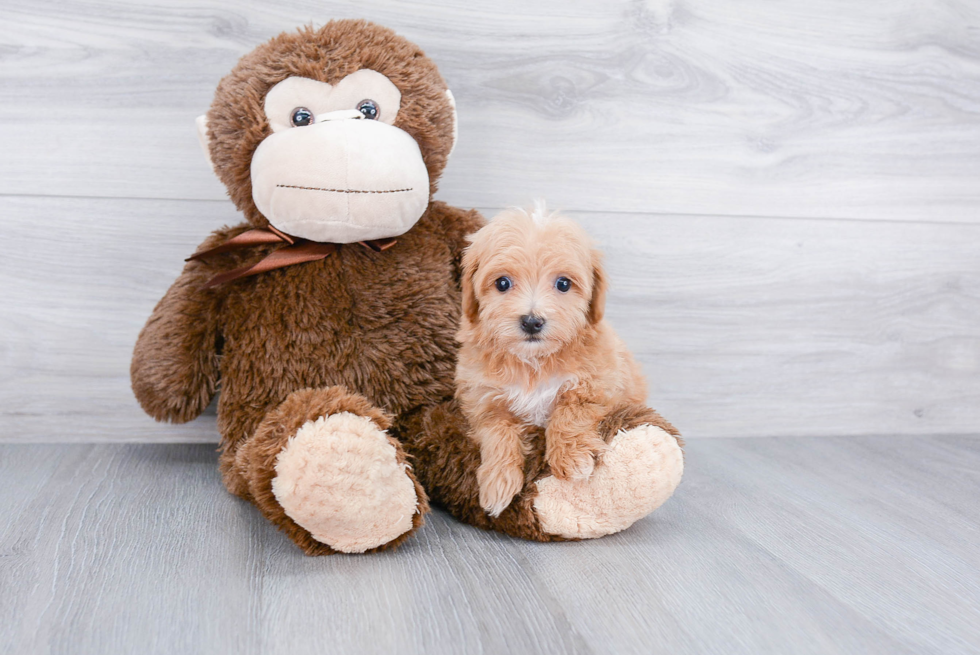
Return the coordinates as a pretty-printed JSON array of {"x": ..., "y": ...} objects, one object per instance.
[
  {"x": 503, "y": 284},
  {"x": 369, "y": 108},
  {"x": 563, "y": 284},
  {"x": 301, "y": 116}
]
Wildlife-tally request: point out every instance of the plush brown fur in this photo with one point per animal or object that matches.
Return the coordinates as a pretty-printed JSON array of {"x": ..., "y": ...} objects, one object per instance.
[
  {"x": 381, "y": 323},
  {"x": 287, "y": 345}
]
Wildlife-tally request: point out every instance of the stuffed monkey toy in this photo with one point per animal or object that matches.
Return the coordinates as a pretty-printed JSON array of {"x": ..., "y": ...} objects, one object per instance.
[{"x": 328, "y": 316}]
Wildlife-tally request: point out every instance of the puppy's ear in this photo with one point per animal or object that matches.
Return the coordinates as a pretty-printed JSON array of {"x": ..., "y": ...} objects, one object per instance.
[
  {"x": 597, "y": 305},
  {"x": 471, "y": 306}
]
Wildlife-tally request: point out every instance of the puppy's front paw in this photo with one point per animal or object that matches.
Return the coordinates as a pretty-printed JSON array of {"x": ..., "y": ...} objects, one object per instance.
[
  {"x": 498, "y": 486},
  {"x": 574, "y": 460}
]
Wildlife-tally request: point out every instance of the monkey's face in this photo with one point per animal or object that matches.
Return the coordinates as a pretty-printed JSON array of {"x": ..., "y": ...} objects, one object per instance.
[
  {"x": 335, "y": 135},
  {"x": 335, "y": 168}
]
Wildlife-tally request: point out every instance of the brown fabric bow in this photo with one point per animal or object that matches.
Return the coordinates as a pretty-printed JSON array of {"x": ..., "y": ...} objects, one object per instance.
[{"x": 296, "y": 251}]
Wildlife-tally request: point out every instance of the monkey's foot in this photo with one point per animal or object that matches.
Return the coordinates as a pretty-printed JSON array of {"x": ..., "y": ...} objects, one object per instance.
[
  {"x": 638, "y": 472},
  {"x": 346, "y": 482}
]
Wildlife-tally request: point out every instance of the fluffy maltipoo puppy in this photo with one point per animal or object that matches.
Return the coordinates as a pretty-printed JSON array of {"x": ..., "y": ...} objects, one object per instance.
[{"x": 536, "y": 350}]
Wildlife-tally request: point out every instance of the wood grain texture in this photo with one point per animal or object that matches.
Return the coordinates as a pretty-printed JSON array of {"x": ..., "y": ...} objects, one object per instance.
[
  {"x": 826, "y": 110},
  {"x": 655, "y": 122},
  {"x": 825, "y": 546},
  {"x": 745, "y": 327}
]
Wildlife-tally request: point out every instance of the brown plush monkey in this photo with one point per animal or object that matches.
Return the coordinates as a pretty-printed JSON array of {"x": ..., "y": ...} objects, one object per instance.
[{"x": 329, "y": 316}]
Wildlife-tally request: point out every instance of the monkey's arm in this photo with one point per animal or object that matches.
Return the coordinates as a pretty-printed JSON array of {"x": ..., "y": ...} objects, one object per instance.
[{"x": 174, "y": 371}]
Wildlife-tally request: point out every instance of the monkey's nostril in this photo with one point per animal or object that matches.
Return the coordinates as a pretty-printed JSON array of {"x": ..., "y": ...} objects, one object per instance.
[{"x": 532, "y": 324}]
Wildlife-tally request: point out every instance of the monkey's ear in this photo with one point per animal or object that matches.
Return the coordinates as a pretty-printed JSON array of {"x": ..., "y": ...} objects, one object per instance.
[
  {"x": 597, "y": 305},
  {"x": 452, "y": 103},
  {"x": 202, "y": 137}
]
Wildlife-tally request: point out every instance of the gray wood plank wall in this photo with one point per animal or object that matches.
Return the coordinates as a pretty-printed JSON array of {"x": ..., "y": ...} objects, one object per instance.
[{"x": 789, "y": 194}]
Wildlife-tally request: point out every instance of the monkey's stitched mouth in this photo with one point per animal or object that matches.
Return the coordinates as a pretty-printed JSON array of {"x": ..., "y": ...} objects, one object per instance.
[{"x": 315, "y": 188}]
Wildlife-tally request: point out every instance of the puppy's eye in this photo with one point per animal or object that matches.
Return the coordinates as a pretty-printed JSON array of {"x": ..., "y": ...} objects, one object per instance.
[
  {"x": 301, "y": 116},
  {"x": 563, "y": 284},
  {"x": 369, "y": 109},
  {"x": 503, "y": 283}
]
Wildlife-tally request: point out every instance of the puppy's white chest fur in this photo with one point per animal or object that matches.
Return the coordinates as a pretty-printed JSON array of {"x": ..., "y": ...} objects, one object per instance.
[{"x": 535, "y": 405}]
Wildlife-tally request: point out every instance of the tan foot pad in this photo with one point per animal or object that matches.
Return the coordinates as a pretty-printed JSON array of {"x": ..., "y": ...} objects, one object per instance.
[
  {"x": 340, "y": 479},
  {"x": 638, "y": 473}
]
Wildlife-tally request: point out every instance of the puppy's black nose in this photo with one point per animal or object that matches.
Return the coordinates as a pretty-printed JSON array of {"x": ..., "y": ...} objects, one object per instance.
[{"x": 532, "y": 324}]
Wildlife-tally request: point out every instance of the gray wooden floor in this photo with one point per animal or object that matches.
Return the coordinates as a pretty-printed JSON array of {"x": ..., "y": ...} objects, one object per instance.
[{"x": 832, "y": 545}]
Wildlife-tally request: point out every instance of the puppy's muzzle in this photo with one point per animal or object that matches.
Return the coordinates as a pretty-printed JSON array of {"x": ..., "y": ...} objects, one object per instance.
[{"x": 531, "y": 324}]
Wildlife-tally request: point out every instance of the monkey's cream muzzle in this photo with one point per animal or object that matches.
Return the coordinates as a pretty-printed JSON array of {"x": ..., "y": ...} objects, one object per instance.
[{"x": 342, "y": 179}]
